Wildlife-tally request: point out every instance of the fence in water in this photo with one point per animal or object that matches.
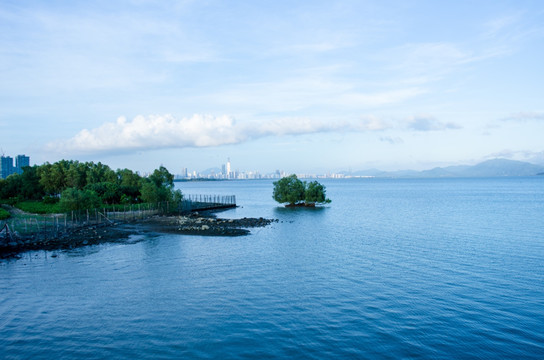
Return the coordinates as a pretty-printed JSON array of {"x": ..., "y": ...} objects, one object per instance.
[
  {"x": 55, "y": 225},
  {"x": 207, "y": 202}
]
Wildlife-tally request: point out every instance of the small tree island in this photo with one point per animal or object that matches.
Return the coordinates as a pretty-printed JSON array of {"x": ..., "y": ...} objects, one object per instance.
[{"x": 295, "y": 192}]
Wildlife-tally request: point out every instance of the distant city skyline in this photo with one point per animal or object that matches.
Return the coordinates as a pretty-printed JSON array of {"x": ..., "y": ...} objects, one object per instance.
[
  {"x": 306, "y": 86},
  {"x": 7, "y": 167}
]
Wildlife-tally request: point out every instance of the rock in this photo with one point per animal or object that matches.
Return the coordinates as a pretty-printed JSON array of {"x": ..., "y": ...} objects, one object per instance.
[
  {"x": 205, "y": 227},
  {"x": 85, "y": 242}
]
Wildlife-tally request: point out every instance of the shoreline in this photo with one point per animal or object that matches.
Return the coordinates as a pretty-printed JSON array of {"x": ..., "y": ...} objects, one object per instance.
[{"x": 203, "y": 224}]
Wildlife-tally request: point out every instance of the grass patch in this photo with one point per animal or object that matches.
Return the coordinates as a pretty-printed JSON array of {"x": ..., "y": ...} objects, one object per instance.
[
  {"x": 4, "y": 214},
  {"x": 38, "y": 207}
]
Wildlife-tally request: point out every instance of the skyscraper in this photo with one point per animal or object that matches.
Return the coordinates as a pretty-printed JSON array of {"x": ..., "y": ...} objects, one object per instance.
[
  {"x": 20, "y": 162},
  {"x": 228, "y": 168},
  {"x": 6, "y": 166}
]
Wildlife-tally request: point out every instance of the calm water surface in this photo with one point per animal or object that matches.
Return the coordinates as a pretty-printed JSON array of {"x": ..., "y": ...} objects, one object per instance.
[{"x": 444, "y": 268}]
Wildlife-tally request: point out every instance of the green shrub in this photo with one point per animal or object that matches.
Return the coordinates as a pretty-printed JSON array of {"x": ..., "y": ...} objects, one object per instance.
[
  {"x": 50, "y": 199},
  {"x": 10, "y": 201},
  {"x": 315, "y": 193},
  {"x": 4, "y": 214},
  {"x": 75, "y": 199},
  {"x": 38, "y": 207},
  {"x": 288, "y": 190},
  {"x": 293, "y": 191}
]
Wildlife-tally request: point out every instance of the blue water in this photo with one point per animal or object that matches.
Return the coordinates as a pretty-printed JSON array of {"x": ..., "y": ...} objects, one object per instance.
[{"x": 443, "y": 268}]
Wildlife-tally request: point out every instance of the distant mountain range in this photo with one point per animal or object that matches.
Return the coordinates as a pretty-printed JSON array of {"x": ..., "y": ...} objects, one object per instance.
[{"x": 490, "y": 168}]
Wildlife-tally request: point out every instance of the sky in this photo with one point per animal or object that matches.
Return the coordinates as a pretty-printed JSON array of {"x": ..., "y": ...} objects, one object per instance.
[{"x": 302, "y": 86}]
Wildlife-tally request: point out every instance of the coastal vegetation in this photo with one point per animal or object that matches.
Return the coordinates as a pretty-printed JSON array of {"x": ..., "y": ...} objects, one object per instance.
[
  {"x": 72, "y": 185},
  {"x": 4, "y": 214},
  {"x": 294, "y": 192}
]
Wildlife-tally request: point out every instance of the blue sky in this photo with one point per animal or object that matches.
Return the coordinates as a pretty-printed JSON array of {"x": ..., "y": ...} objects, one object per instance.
[{"x": 303, "y": 86}]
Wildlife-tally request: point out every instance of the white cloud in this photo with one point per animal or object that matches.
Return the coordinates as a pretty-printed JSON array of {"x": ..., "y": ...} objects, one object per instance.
[
  {"x": 167, "y": 131},
  {"x": 525, "y": 116},
  {"x": 376, "y": 99},
  {"x": 429, "y": 123},
  {"x": 535, "y": 157},
  {"x": 392, "y": 140},
  {"x": 426, "y": 59},
  {"x": 198, "y": 131},
  {"x": 311, "y": 91},
  {"x": 373, "y": 123},
  {"x": 153, "y": 132},
  {"x": 495, "y": 27}
]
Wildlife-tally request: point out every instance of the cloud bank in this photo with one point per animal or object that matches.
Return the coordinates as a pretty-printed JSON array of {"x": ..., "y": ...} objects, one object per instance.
[
  {"x": 153, "y": 132},
  {"x": 167, "y": 131}
]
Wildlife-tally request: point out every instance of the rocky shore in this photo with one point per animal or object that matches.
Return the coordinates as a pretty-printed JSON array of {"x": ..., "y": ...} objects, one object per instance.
[
  {"x": 205, "y": 224},
  {"x": 197, "y": 224}
]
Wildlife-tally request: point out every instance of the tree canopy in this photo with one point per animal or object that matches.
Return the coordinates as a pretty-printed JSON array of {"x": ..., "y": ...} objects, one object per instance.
[
  {"x": 85, "y": 185},
  {"x": 293, "y": 191}
]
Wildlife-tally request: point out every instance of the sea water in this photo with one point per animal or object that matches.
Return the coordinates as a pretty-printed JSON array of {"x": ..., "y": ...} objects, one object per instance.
[{"x": 392, "y": 268}]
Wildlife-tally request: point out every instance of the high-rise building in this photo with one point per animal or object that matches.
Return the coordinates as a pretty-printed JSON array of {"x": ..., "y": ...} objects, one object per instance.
[
  {"x": 20, "y": 162},
  {"x": 228, "y": 168},
  {"x": 6, "y": 166}
]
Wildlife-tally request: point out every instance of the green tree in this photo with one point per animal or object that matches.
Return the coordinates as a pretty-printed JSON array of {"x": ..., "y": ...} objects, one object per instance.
[
  {"x": 76, "y": 175},
  {"x": 159, "y": 186},
  {"x": 92, "y": 181},
  {"x": 100, "y": 173},
  {"x": 288, "y": 190},
  {"x": 10, "y": 188},
  {"x": 315, "y": 194},
  {"x": 151, "y": 193},
  {"x": 293, "y": 191},
  {"x": 109, "y": 192},
  {"x": 48, "y": 180},
  {"x": 31, "y": 188},
  {"x": 53, "y": 177},
  {"x": 127, "y": 177},
  {"x": 75, "y": 199},
  {"x": 162, "y": 177}
]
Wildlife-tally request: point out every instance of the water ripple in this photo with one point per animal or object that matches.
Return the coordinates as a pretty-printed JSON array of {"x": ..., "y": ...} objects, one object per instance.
[{"x": 412, "y": 269}]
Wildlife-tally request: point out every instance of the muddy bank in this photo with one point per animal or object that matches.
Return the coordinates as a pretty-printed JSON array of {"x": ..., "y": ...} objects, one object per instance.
[{"x": 193, "y": 224}]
